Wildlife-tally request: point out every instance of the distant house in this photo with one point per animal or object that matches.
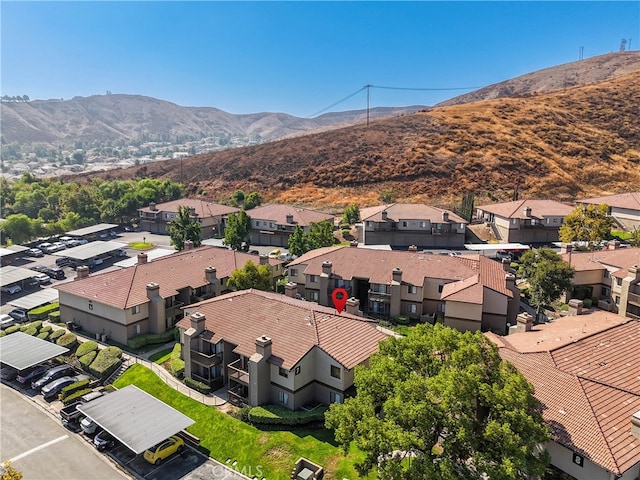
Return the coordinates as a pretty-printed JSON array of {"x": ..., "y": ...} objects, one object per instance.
[
  {"x": 405, "y": 224},
  {"x": 624, "y": 208},
  {"x": 524, "y": 221},
  {"x": 271, "y": 349},
  {"x": 272, "y": 224},
  {"x": 611, "y": 276},
  {"x": 149, "y": 297},
  {"x": 156, "y": 218},
  {"x": 467, "y": 292},
  {"x": 584, "y": 370}
]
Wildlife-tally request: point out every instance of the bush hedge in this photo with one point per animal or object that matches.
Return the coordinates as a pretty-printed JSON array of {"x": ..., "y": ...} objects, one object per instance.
[
  {"x": 2, "y": 333},
  {"x": 587, "y": 303},
  {"x": 12, "y": 329},
  {"x": 177, "y": 364},
  {"x": 86, "y": 347},
  {"x": 56, "y": 334},
  {"x": 199, "y": 386},
  {"x": 42, "y": 313},
  {"x": 31, "y": 331},
  {"x": 277, "y": 415},
  {"x": 68, "y": 340},
  {"x": 402, "y": 320},
  {"x": 106, "y": 362},
  {"x": 43, "y": 335},
  {"x": 54, "y": 317},
  {"x": 75, "y": 396},
  {"x": 74, "y": 387},
  {"x": 46, "y": 328},
  {"x": 140, "y": 341},
  {"x": 86, "y": 359},
  {"x": 37, "y": 325}
]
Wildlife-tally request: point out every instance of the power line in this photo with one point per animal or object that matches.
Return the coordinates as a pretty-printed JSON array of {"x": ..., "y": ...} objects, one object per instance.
[
  {"x": 338, "y": 102},
  {"x": 425, "y": 89}
]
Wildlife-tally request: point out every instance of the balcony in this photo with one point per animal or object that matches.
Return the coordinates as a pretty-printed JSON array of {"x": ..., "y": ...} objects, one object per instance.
[
  {"x": 237, "y": 374},
  {"x": 238, "y": 395},
  {"x": 441, "y": 231},
  {"x": 634, "y": 299},
  {"x": 213, "y": 383},
  {"x": 207, "y": 360},
  {"x": 379, "y": 296},
  {"x": 172, "y": 310}
]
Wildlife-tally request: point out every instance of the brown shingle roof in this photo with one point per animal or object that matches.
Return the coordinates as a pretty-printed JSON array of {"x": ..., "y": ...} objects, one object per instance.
[
  {"x": 588, "y": 383},
  {"x": 539, "y": 209},
  {"x": 408, "y": 211},
  {"x": 127, "y": 287},
  {"x": 621, "y": 258},
  {"x": 203, "y": 208},
  {"x": 278, "y": 213},
  {"x": 629, "y": 200},
  {"x": 294, "y": 326}
]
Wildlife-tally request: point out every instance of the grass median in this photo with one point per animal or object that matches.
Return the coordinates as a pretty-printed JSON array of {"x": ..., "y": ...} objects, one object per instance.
[{"x": 274, "y": 452}]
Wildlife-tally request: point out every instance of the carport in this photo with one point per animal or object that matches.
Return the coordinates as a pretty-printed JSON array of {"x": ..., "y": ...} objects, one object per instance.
[
  {"x": 10, "y": 275},
  {"x": 33, "y": 300},
  {"x": 85, "y": 252},
  {"x": 92, "y": 230},
  {"x": 21, "y": 351},
  {"x": 135, "y": 418}
]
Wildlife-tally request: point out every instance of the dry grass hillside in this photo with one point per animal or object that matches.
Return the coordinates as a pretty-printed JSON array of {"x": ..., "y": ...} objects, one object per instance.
[{"x": 578, "y": 142}]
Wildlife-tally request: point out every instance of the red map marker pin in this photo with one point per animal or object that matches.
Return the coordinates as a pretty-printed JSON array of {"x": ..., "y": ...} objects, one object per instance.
[{"x": 339, "y": 297}]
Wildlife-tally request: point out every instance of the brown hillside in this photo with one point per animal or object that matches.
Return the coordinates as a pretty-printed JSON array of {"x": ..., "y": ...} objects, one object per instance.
[{"x": 579, "y": 142}]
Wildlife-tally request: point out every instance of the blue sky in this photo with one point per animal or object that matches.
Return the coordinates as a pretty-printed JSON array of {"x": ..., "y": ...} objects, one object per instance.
[{"x": 295, "y": 57}]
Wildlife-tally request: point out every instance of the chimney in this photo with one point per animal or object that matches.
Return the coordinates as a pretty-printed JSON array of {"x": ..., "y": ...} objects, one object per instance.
[
  {"x": 634, "y": 273},
  {"x": 527, "y": 211},
  {"x": 326, "y": 268},
  {"x": 413, "y": 248},
  {"x": 353, "y": 243},
  {"x": 142, "y": 258},
  {"x": 264, "y": 260},
  {"x": 506, "y": 265},
  {"x": 613, "y": 244},
  {"x": 397, "y": 275},
  {"x": 575, "y": 307},
  {"x": 566, "y": 248},
  {"x": 635, "y": 424},
  {"x": 263, "y": 346},
  {"x": 525, "y": 322},
  {"x": 188, "y": 245},
  {"x": 153, "y": 290},
  {"x": 197, "y": 322},
  {"x": 192, "y": 211},
  {"x": 289, "y": 218},
  {"x": 510, "y": 280},
  {"x": 152, "y": 206},
  {"x": 291, "y": 290},
  {"x": 82, "y": 272},
  {"x": 445, "y": 216},
  {"x": 210, "y": 274},
  {"x": 384, "y": 215},
  {"x": 353, "y": 307}
]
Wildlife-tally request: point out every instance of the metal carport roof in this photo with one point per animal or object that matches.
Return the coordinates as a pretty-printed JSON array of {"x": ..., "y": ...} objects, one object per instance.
[
  {"x": 101, "y": 227},
  {"x": 21, "y": 351},
  {"x": 33, "y": 300},
  {"x": 135, "y": 418},
  {"x": 151, "y": 255},
  {"x": 9, "y": 275},
  {"x": 90, "y": 250}
]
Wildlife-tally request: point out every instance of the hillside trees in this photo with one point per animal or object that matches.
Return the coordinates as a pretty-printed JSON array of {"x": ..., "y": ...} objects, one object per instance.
[
  {"x": 441, "y": 404},
  {"x": 184, "y": 228},
  {"x": 18, "y": 228},
  {"x": 236, "y": 233},
  {"x": 590, "y": 224}
]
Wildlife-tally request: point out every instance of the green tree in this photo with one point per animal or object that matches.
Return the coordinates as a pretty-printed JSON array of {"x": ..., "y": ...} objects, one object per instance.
[
  {"x": 298, "y": 242},
  {"x": 467, "y": 206},
  {"x": 351, "y": 214},
  {"x": 183, "y": 228},
  {"x": 253, "y": 200},
  {"x": 251, "y": 276},
  {"x": 236, "y": 198},
  {"x": 441, "y": 404},
  {"x": 547, "y": 274},
  {"x": 320, "y": 235},
  {"x": 18, "y": 227},
  {"x": 587, "y": 224},
  {"x": 236, "y": 233}
]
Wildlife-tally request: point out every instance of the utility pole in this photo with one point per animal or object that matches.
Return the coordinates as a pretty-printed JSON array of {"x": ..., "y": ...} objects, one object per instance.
[{"x": 368, "y": 87}]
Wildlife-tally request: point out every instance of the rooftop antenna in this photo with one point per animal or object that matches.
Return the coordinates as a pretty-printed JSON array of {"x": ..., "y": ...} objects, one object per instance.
[{"x": 623, "y": 44}]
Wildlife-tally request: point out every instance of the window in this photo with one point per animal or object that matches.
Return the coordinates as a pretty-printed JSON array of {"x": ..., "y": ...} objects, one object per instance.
[
  {"x": 606, "y": 273},
  {"x": 369, "y": 224},
  {"x": 137, "y": 329},
  {"x": 412, "y": 308},
  {"x": 555, "y": 220},
  {"x": 283, "y": 397},
  {"x": 413, "y": 289},
  {"x": 513, "y": 221},
  {"x": 270, "y": 224},
  {"x": 135, "y": 309},
  {"x": 335, "y": 371},
  {"x": 90, "y": 305},
  {"x": 423, "y": 224},
  {"x": 404, "y": 224},
  {"x": 617, "y": 300},
  {"x": 297, "y": 370},
  {"x": 283, "y": 372},
  {"x": 440, "y": 287},
  {"x": 313, "y": 296},
  {"x": 313, "y": 279},
  {"x": 619, "y": 281},
  {"x": 293, "y": 272},
  {"x": 335, "y": 397},
  {"x": 606, "y": 291}
]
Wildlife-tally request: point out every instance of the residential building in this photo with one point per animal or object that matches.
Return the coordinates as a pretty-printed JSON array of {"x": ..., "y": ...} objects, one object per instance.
[
  {"x": 610, "y": 276},
  {"x": 272, "y": 224},
  {"x": 624, "y": 208},
  {"x": 405, "y": 224},
  {"x": 156, "y": 218},
  {"x": 467, "y": 292},
  {"x": 524, "y": 221},
  {"x": 148, "y": 297},
  {"x": 584, "y": 370},
  {"x": 272, "y": 349}
]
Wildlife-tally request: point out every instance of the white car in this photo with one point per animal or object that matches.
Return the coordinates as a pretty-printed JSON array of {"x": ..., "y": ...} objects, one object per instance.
[
  {"x": 6, "y": 321},
  {"x": 35, "y": 252},
  {"x": 43, "y": 278},
  {"x": 11, "y": 289}
]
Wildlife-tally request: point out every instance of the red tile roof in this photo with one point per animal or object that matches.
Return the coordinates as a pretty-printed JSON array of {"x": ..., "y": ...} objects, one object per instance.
[
  {"x": 127, "y": 287},
  {"x": 294, "y": 326},
  {"x": 408, "y": 211},
  {"x": 539, "y": 209},
  {"x": 618, "y": 260},
  {"x": 629, "y": 200},
  {"x": 588, "y": 384},
  {"x": 203, "y": 208},
  {"x": 278, "y": 213}
]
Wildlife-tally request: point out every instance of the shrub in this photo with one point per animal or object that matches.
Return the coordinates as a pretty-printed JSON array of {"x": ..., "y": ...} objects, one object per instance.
[
  {"x": 2, "y": 333},
  {"x": 177, "y": 364},
  {"x": 42, "y": 313},
  {"x": 86, "y": 347},
  {"x": 67, "y": 340},
  {"x": 54, "y": 317},
  {"x": 140, "y": 341},
  {"x": 46, "y": 328},
  {"x": 56, "y": 334},
  {"x": 31, "y": 331},
  {"x": 37, "y": 325},
  {"x": 564, "y": 307},
  {"x": 43, "y": 335},
  {"x": 74, "y": 387},
  {"x": 199, "y": 386},
  {"x": 75, "y": 396},
  {"x": 594, "y": 301},
  {"x": 12, "y": 329},
  {"x": 86, "y": 359},
  {"x": 586, "y": 303},
  {"x": 277, "y": 415},
  {"x": 402, "y": 320},
  {"x": 106, "y": 362}
]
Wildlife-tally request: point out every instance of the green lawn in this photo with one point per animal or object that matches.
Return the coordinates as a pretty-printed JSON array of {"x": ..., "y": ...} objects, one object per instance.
[
  {"x": 621, "y": 235},
  {"x": 142, "y": 245},
  {"x": 161, "y": 356},
  {"x": 275, "y": 451}
]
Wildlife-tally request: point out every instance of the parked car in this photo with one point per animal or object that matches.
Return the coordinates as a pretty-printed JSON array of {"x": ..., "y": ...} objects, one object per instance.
[
  {"x": 275, "y": 253},
  {"x": 19, "y": 314},
  {"x": 35, "y": 252},
  {"x": 6, "y": 321},
  {"x": 8, "y": 374},
  {"x": 32, "y": 373},
  {"x": 40, "y": 268},
  {"x": 88, "y": 426},
  {"x": 45, "y": 247},
  {"x": 51, "y": 389},
  {"x": 56, "y": 273},
  {"x": 503, "y": 255},
  {"x": 56, "y": 247},
  {"x": 11, "y": 289},
  {"x": 82, "y": 241},
  {"x": 104, "y": 440},
  {"x": 63, "y": 261},
  {"x": 43, "y": 278},
  {"x": 164, "y": 449},
  {"x": 51, "y": 375}
]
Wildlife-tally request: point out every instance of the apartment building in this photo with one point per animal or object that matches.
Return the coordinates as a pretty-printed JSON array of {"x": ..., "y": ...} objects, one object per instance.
[{"x": 624, "y": 208}]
